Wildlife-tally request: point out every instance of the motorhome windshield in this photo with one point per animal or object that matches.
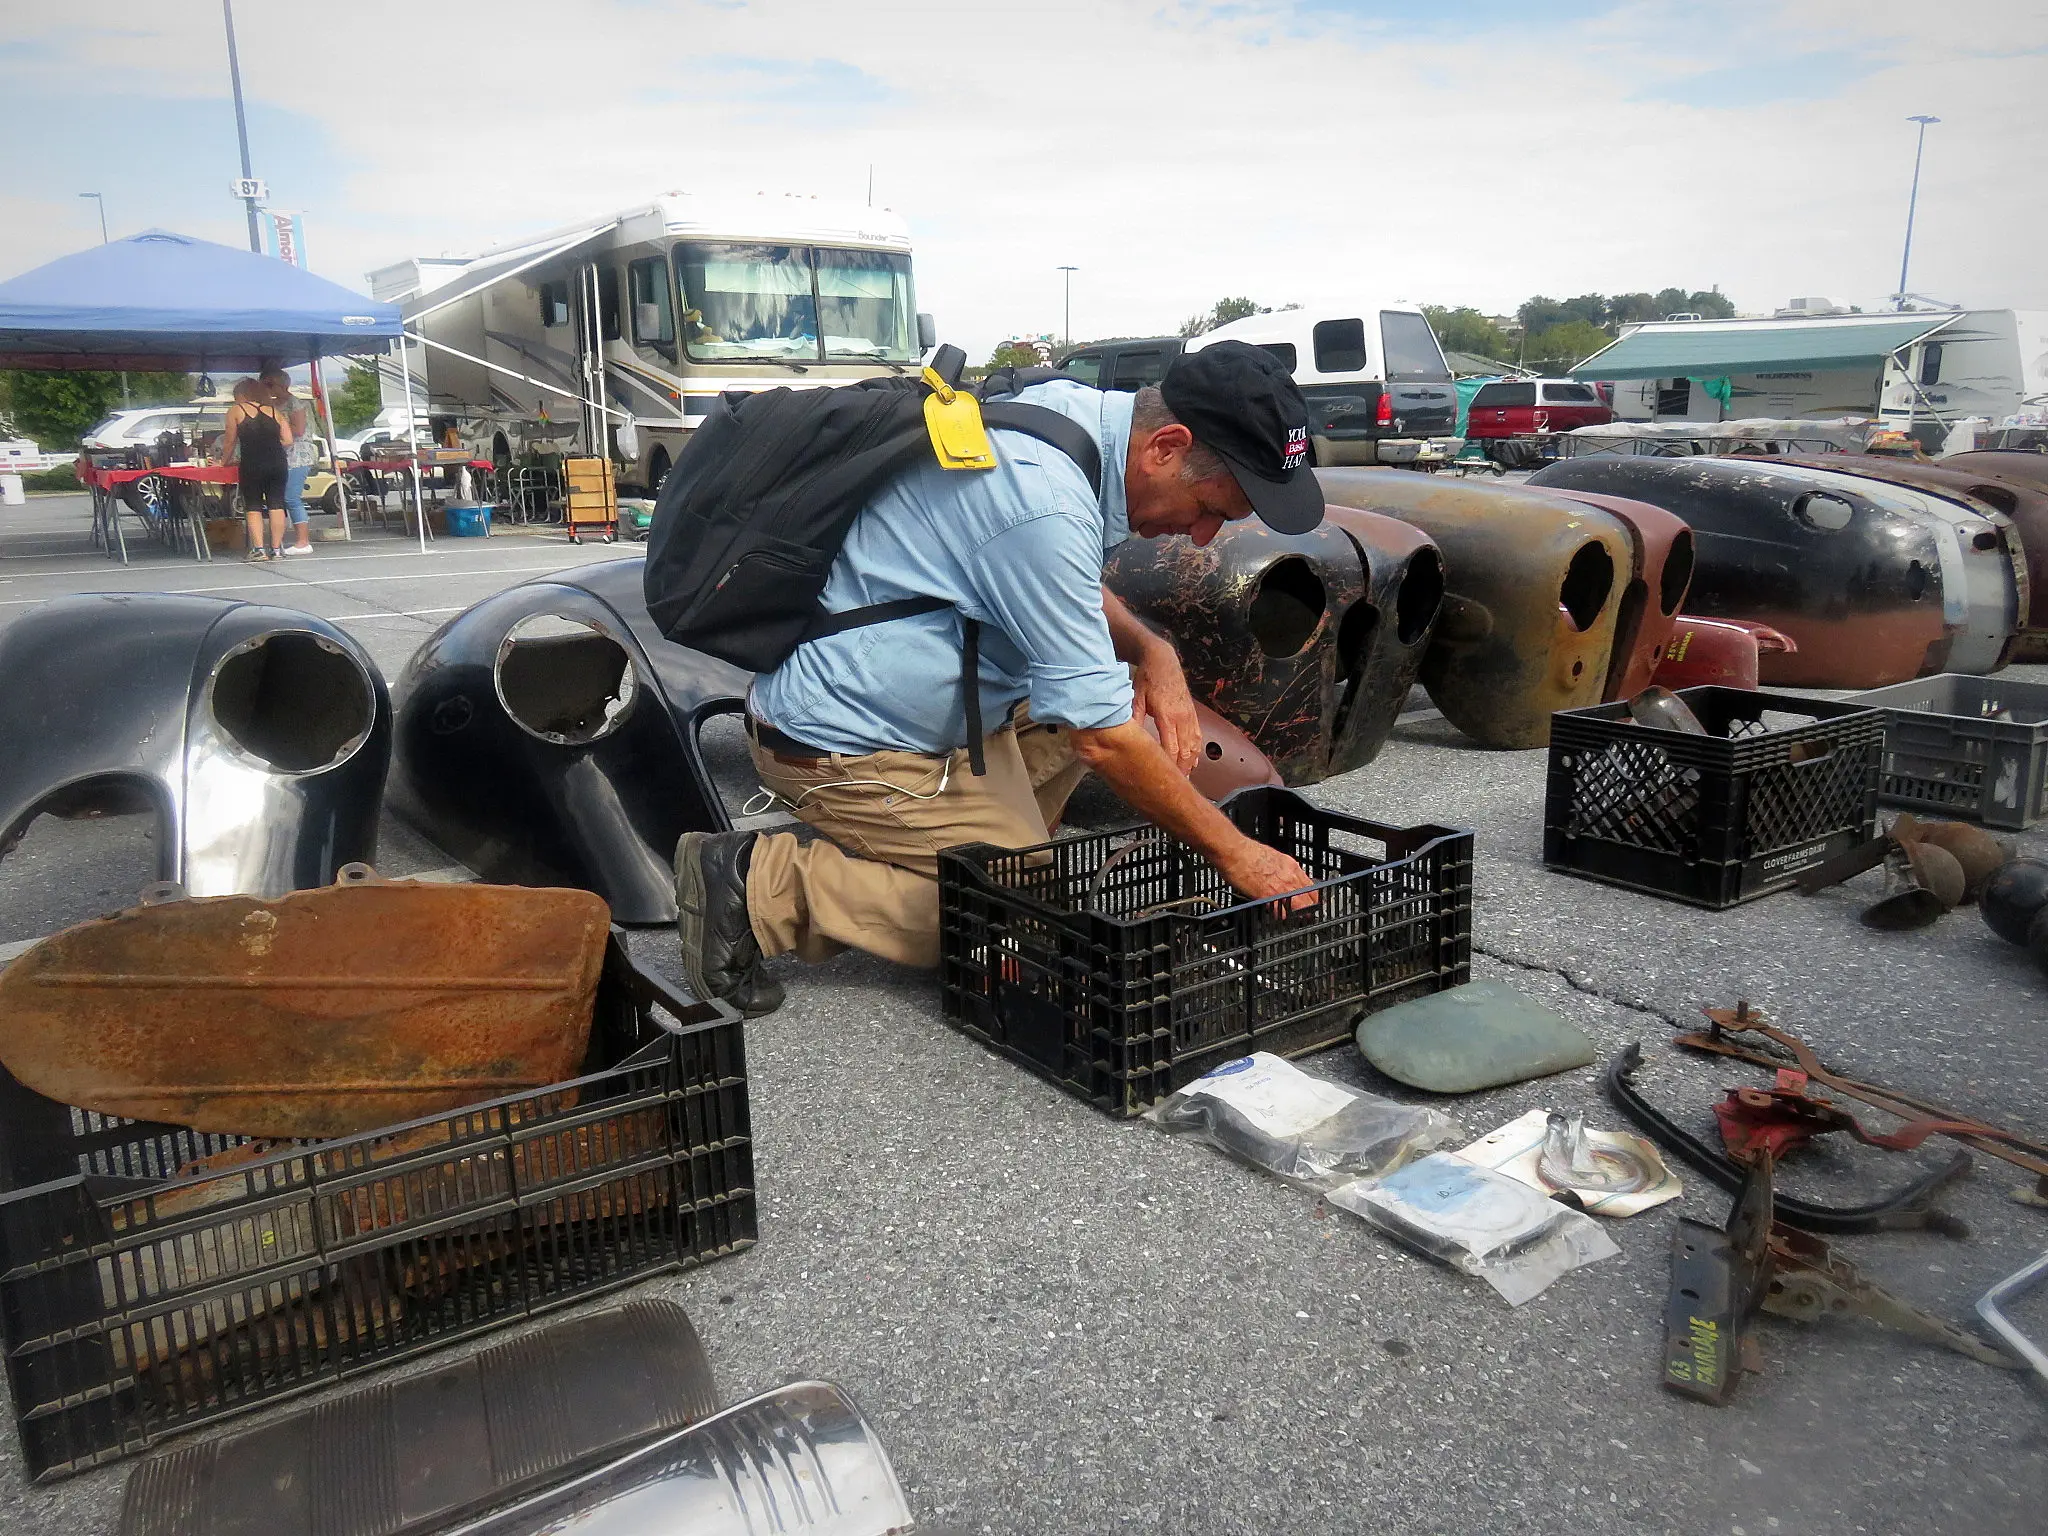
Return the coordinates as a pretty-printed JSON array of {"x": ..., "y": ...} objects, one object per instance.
[{"x": 767, "y": 302}]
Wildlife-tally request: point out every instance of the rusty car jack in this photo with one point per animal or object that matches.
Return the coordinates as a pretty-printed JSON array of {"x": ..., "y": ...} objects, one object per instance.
[
  {"x": 1907, "y": 1208},
  {"x": 1721, "y": 1279},
  {"x": 2020, "y": 1151}
]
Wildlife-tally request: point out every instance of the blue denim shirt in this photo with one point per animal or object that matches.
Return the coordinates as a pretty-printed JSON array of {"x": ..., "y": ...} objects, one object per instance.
[{"x": 1020, "y": 548}]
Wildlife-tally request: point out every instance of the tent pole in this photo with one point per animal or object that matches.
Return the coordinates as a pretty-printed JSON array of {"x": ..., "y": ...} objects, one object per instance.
[
  {"x": 412, "y": 444},
  {"x": 333, "y": 453}
]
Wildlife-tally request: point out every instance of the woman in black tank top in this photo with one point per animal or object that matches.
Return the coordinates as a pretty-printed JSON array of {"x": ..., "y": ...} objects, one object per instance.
[{"x": 256, "y": 439}]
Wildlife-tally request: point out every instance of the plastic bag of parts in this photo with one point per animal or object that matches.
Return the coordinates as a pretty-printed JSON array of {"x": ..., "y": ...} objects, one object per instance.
[
  {"x": 1479, "y": 1221},
  {"x": 1309, "y": 1131}
]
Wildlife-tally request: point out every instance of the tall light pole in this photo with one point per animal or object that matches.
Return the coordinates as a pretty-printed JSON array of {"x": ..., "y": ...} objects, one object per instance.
[
  {"x": 1069, "y": 329},
  {"x": 103, "y": 213},
  {"x": 101, "y": 203},
  {"x": 227, "y": 8},
  {"x": 1913, "y": 201}
]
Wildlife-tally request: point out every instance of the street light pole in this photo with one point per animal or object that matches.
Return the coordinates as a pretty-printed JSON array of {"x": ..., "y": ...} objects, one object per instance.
[
  {"x": 1069, "y": 328},
  {"x": 101, "y": 203},
  {"x": 227, "y": 8},
  {"x": 1913, "y": 202}
]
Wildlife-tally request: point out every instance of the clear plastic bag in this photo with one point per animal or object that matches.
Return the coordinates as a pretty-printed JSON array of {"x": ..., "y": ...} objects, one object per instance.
[
  {"x": 1479, "y": 1221},
  {"x": 1311, "y": 1132}
]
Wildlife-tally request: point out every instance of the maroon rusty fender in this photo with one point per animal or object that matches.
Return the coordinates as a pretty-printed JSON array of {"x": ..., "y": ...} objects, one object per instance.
[
  {"x": 1309, "y": 643},
  {"x": 1718, "y": 652},
  {"x": 321, "y": 1013},
  {"x": 1536, "y": 584},
  {"x": 1656, "y": 588},
  {"x": 1999, "y": 492}
]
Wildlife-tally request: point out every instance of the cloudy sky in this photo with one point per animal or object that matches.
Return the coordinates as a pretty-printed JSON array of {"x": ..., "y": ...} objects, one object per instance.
[{"x": 1456, "y": 153}]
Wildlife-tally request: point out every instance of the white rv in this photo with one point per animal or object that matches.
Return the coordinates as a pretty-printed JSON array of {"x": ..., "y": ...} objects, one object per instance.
[
  {"x": 563, "y": 341},
  {"x": 1961, "y": 363}
]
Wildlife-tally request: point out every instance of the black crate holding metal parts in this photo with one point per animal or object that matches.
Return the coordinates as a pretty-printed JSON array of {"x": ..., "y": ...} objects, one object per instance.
[
  {"x": 1777, "y": 785},
  {"x": 1974, "y": 747},
  {"x": 1121, "y": 965},
  {"x": 153, "y": 1278}
]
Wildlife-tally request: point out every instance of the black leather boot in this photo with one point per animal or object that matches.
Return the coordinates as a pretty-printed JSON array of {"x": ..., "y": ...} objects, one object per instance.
[{"x": 720, "y": 956}]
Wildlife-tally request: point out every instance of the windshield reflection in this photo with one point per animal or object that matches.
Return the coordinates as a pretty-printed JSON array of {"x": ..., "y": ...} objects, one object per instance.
[{"x": 795, "y": 303}]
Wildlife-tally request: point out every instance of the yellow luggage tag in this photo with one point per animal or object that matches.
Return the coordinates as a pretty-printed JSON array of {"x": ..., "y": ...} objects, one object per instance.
[{"x": 953, "y": 418}]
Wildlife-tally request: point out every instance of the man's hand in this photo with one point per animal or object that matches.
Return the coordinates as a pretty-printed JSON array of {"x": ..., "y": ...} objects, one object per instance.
[
  {"x": 1162, "y": 697},
  {"x": 1256, "y": 870},
  {"x": 1136, "y": 768}
]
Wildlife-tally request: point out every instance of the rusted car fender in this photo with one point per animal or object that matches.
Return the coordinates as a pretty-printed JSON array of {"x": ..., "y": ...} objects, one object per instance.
[
  {"x": 1658, "y": 580},
  {"x": 2014, "y": 466},
  {"x": 258, "y": 736},
  {"x": 1308, "y": 642},
  {"x": 1858, "y": 585},
  {"x": 2018, "y": 506},
  {"x": 1535, "y": 593},
  {"x": 1718, "y": 652},
  {"x": 549, "y": 736}
]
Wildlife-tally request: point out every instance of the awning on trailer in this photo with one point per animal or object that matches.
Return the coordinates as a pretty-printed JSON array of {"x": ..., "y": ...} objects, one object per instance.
[
  {"x": 1678, "y": 349},
  {"x": 646, "y": 225}
]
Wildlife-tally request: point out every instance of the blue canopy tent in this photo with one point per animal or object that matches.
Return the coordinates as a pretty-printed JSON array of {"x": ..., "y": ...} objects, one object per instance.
[{"x": 169, "y": 302}]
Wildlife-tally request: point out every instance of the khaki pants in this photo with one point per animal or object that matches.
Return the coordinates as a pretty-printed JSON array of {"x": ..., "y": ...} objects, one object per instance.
[{"x": 875, "y": 884}]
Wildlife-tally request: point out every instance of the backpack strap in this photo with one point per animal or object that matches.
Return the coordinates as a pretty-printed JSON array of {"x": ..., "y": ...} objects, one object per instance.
[{"x": 1048, "y": 426}]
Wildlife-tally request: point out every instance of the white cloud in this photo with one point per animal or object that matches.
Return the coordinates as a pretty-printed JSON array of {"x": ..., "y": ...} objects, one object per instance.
[{"x": 1174, "y": 152}]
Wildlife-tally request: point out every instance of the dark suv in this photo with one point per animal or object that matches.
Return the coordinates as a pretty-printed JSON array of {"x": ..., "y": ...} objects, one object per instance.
[{"x": 1127, "y": 365}]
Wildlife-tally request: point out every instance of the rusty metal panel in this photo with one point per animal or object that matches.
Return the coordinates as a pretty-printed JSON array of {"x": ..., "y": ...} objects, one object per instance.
[
  {"x": 1857, "y": 586},
  {"x": 1536, "y": 586},
  {"x": 2019, "y": 506},
  {"x": 321, "y": 1013},
  {"x": 1656, "y": 589},
  {"x": 2010, "y": 465},
  {"x": 1719, "y": 652},
  {"x": 1308, "y": 642}
]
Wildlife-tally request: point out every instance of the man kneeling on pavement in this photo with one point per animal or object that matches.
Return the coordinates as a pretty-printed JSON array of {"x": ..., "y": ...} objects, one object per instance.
[{"x": 863, "y": 733}]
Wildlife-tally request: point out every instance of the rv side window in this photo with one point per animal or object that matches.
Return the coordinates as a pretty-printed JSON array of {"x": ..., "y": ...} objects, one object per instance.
[
  {"x": 1283, "y": 353},
  {"x": 1412, "y": 355},
  {"x": 1134, "y": 370},
  {"x": 1085, "y": 366},
  {"x": 1674, "y": 398},
  {"x": 654, "y": 319},
  {"x": 1340, "y": 346},
  {"x": 1930, "y": 363},
  {"x": 554, "y": 303},
  {"x": 608, "y": 302}
]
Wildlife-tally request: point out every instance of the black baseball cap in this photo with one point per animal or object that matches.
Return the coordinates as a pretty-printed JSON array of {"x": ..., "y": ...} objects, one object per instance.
[{"x": 1237, "y": 400}]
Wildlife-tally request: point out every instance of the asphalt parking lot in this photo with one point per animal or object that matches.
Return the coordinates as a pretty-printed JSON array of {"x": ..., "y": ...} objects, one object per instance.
[{"x": 1062, "y": 1323}]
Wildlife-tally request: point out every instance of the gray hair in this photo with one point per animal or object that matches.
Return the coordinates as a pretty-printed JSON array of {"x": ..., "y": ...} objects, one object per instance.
[{"x": 1151, "y": 413}]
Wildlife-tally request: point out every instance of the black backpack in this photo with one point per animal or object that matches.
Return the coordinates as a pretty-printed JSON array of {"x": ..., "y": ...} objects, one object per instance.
[{"x": 761, "y": 499}]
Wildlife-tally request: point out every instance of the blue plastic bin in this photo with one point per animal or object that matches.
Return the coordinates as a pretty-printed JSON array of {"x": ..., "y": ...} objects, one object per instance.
[{"x": 468, "y": 522}]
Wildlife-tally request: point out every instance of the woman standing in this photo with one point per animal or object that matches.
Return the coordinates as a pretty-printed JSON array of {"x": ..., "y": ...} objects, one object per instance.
[
  {"x": 299, "y": 458},
  {"x": 256, "y": 439}
]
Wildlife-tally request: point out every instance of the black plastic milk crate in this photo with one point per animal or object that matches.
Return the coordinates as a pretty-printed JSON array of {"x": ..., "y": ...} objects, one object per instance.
[
  {"x": 1121, "y": 965},
  {"x": 140, "y": 1296},
  {"x": 1777, "y": 785},
  {"x": 1965, "y": 746}
]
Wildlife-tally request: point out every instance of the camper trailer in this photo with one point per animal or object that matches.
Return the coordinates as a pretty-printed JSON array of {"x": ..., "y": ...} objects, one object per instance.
[
  {"x": 614, "y": 335},
  {"x": 1942, "y": 366}
]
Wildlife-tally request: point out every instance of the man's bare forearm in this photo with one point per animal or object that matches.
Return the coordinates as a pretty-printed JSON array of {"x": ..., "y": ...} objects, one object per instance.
[
  {"x": 1140, "y": 771},
  {"x": 1134, "y": 642}
]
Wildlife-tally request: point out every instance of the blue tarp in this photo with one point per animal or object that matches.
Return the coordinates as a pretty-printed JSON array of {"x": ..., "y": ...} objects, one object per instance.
[{"x": 160, "y": 301}]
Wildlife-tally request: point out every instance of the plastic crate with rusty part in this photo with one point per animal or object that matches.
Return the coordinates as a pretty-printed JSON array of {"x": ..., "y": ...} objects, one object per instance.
[
  {"x": 153, "y": 1279},
  {"x": 1974, "y": 747},
  {"x": 1777, "y": 785},
  {"x": 1121, "y": 965}
]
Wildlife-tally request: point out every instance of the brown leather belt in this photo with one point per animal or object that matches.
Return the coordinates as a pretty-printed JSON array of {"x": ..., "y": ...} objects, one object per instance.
[{"x": 779, "y": 745}]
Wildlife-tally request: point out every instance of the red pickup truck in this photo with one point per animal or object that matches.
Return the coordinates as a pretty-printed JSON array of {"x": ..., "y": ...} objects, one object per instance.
[{"x": 1513, "y": 407}]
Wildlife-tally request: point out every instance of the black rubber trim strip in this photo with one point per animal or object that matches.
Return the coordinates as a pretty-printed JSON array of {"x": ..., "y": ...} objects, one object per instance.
[{"x": 1905, "y": 1209}]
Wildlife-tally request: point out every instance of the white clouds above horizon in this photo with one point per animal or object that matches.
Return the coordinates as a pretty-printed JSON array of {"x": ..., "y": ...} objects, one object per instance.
[{"x": 1173, "y": 151}]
